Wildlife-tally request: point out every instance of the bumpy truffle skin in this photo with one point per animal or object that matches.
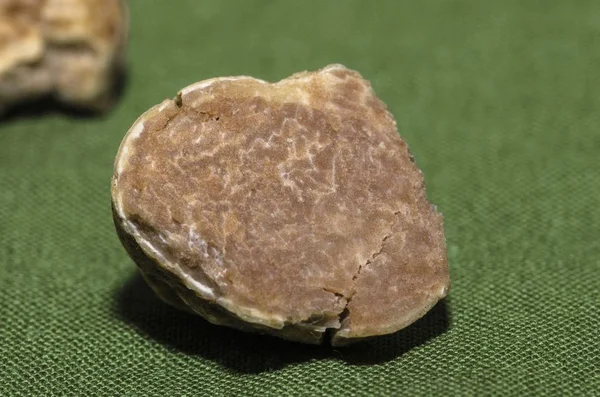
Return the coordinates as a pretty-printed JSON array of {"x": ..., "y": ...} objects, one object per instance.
[
  {"x": 70, "y": 49},
  {"x": 287, "y": 208}
]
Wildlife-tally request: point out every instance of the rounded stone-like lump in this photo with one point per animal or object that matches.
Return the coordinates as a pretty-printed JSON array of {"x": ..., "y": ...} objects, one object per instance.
[
  {"x": 70, "y": 49},
  {"x": 287, "y": 208}
]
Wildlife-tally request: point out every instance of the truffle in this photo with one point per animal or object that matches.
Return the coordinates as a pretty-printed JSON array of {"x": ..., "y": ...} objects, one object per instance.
[
  {"x": 289, "y": 208},
  {"x": 72, "y": 50}
]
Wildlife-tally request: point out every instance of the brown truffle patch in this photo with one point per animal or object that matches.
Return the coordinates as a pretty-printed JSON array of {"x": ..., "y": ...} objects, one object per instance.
[{"x": 286, "y": 205}]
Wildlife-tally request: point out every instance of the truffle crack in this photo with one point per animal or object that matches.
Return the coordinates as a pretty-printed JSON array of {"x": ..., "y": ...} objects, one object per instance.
[
  {"x": 337, "y": 294},
  {"x": 178, "y": 100},
  {"x": 379, "y": 251},
  {"x": 345, "y": 313}
]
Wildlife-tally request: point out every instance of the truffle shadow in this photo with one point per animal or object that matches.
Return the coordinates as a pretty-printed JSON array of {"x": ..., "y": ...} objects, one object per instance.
[
  {"x": 47, "y": 105},
  {"x": 136, "y": 305}
]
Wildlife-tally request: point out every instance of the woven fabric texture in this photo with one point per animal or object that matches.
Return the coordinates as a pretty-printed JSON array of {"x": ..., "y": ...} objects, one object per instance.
[{"x": 498, "y": 100}]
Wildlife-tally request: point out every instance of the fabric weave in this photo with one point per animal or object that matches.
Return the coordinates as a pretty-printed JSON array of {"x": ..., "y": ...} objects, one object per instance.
[{"x": 497, "y": 100}]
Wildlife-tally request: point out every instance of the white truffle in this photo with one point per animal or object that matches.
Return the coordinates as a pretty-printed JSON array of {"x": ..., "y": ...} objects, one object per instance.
[
  {"x": 289, "y": 208},
  {"x": 72, "y": 50}
]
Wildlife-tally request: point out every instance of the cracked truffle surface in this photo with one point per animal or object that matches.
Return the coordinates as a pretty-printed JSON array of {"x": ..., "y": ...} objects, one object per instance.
[{"x": 286, "y": 208}]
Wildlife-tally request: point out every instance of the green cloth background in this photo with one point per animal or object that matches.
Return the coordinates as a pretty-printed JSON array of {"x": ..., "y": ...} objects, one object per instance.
[{"x": 498, "y": 100}]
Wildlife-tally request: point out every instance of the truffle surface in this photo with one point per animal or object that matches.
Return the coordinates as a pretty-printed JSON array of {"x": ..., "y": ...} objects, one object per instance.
[{"x": 286, "y": 208}]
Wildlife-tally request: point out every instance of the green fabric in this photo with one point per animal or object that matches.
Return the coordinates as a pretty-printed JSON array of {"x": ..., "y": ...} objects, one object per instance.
[{"x": 498, "y": 101}]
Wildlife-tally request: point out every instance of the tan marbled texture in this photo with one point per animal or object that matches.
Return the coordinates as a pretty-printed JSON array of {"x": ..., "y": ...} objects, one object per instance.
[
  {"x": 287, "y": 205},
  {"x": 71, "y": 49}
]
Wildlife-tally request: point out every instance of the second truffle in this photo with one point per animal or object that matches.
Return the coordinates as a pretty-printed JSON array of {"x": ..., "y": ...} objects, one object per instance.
[{"x": 72, "y": 50}]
